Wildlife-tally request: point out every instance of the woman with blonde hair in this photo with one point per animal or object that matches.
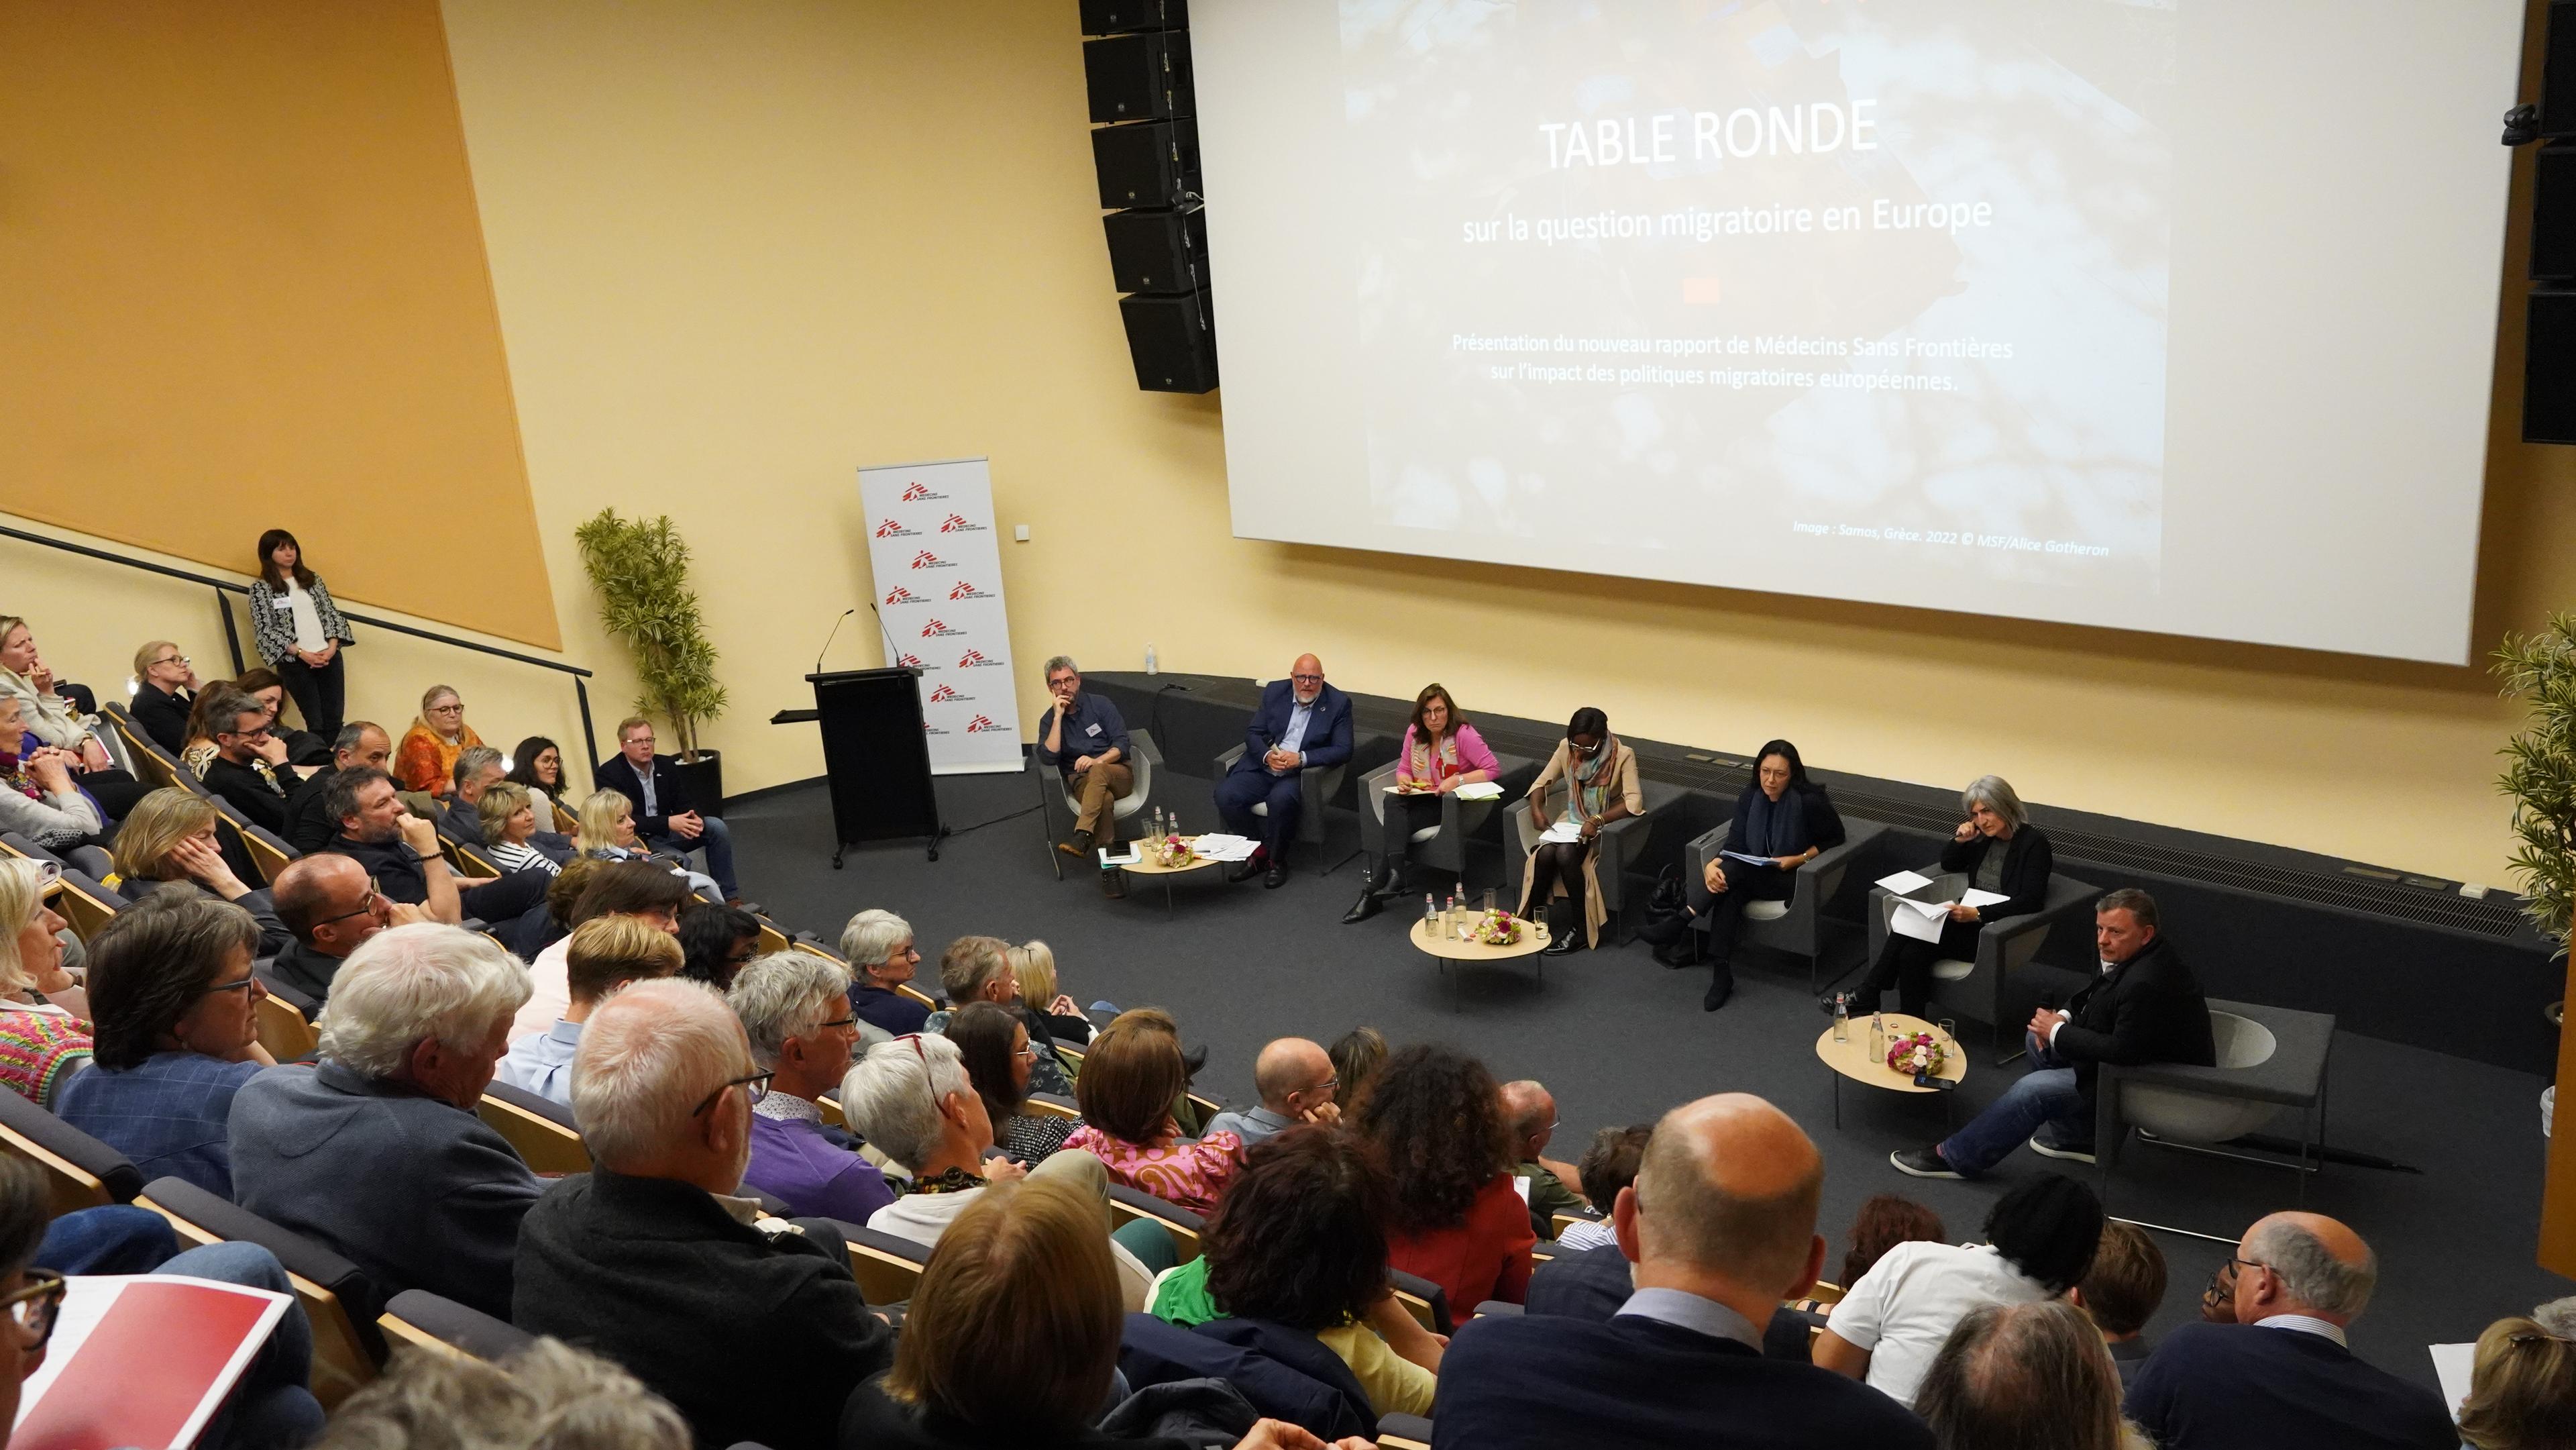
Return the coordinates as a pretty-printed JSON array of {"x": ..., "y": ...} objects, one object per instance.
[
  {"x": 43, "y": 1037},
  {"x": 426, "y": 759},
  {"x": 509, "y": 820},
  {"x": 165, "y": 688},
  {"x": 2522, "y": 1389},
  {"x": 1033, "y": 967},
  {"x": 170, "y": 837},
  {"x": 608, "y": 834}
]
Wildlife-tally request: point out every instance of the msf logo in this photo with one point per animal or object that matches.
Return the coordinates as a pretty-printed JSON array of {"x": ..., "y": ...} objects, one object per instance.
[
  {"x": 908, "y": 662},
  {"x": 980, "y": 724},
  {"x": 966, "y": 590},
  {"x": 957, "y": 524},
  {"x": 901, "y": 595},
  {"x": 946, "y": 693},
  {"x": 916, "y": 492},
  {"x": 937, "y": 630},
  {"x": 928, "y": 560},
  {"x": 894, "y": 529},
  {"x": 974, "y": 660}
]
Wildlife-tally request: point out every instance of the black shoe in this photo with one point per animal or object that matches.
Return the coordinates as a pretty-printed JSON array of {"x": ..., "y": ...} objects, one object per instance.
[
  {"x": 1923, "y": 1163},
  {"x": 1077, "y": 846},
  {"x": 1274, "y": 878},
  {"x": 1369, "y": 904},
  {"x": 1720, "y": 987},
  {"x": 1675, "y": 955},
  {"x": 1560, "y": 943},
  {"x": 1243, "y": 870},
  {"x": 2071, "y": 1152},
  {"x": 1391, "y": 884},
  {"x": 1113, "y": 884}
]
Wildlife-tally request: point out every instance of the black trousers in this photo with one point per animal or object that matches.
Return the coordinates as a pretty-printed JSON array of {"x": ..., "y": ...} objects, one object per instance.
[
  {"x": 321, "y": 696},
  {"x": 1906, "y": 964},
  {"x": 504, "y": 902},
  {"x": 1406, "y": 814},
  {"x": 1725, "y": 910}
]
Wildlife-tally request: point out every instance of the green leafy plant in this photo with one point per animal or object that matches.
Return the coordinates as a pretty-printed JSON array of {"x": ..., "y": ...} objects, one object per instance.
[
  {"x": 2540, "y": 771},
  {"x": 641, "y": 571}
]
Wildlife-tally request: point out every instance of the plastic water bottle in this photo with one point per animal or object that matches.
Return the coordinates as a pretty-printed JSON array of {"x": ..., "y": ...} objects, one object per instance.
[
  {"x": 1842, "y": 1017},
  {"x": 1149, "y": 658},
  {"x": 1159, "y": 832}
]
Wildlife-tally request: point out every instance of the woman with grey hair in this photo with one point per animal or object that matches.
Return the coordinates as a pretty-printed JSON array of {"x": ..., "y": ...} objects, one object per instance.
[
  {"x": 548, "y": 1396},
  {"x": 879, "y": 946},
  {"x": 795, "y": 1010},
  {"x": 2025, "y": 1377},
  {"x": 1997, "y": 849}
]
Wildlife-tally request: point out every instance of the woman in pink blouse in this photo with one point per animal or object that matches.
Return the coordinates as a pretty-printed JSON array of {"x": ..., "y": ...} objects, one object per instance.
[
  {"x": 1441, "y": 753},
  {"x": 1131, "y": 1078}
]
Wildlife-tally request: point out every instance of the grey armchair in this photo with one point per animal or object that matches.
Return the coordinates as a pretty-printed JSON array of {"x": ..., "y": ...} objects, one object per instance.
[
  {"x": 1976, "y": 990},
  {"x": 1316, "y": 784},
  {"x": 1623, "y": 841},
  {"x": 1062, "y": 809},
  {"x": 1443, "y": 847},
  {"x": 2270, "y": 1059},
  {"x": 1794, "y": 926}
]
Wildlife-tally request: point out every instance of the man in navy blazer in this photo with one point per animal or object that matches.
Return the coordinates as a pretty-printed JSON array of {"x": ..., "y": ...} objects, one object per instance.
[
  {"x": 1722, "y": 1225},
  {"x": 665, "y": 818},
  {"x": 1302, "y": 722}
]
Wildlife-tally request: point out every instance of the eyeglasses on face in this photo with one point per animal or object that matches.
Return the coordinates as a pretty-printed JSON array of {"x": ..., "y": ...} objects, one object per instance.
[
  {"x": 452, "y": 707},
  {"x": 34, "y": 1308},
  {"x": 249, "y": 984},
  {"x": 366, "y": 906},
  {"x": 1308, "y": 679},
  {"x": 173, "y": 660},
  {"x": 754, "y": 1087}
]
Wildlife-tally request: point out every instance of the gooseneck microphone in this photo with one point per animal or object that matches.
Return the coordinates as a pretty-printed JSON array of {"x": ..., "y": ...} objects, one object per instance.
[
  {"x": 894, "y": 655},
  {"x": 835, "y": 634}
]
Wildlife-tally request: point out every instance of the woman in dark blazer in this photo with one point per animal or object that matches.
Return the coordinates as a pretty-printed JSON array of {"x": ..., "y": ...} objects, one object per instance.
[
  {"x": 1785, "y": 819},
  {"x": 165, "y": 689},
  {"x": 1997, "y": 849}
]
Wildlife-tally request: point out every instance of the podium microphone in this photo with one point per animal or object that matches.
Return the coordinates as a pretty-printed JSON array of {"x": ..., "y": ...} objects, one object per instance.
[
  {"x": 835, "y": 634},
  {"x": 893, "y": 656}
]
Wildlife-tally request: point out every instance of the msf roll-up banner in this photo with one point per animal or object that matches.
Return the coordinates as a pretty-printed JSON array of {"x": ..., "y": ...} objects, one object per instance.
[{"x": 931, "y": 545}]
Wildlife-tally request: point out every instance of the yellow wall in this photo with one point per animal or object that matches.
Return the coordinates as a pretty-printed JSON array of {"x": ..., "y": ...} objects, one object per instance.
[
  {"x": 740, "y": 250},
  {"x": 244, "y": 287}
]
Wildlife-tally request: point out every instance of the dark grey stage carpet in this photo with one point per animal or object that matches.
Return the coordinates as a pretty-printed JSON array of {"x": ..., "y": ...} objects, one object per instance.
[{"x": 1619, "y": 1039}]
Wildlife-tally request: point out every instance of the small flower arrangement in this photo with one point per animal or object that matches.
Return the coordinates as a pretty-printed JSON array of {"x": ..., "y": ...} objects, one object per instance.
[
  {"x": 1174, "y": 852},
  {"x": 1496, "y": 928},
  {"x": 1917, "y": 1054}
]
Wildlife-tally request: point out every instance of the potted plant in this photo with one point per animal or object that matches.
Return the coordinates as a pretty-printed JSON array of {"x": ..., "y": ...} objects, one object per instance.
[{"x": 641, "y": 570}]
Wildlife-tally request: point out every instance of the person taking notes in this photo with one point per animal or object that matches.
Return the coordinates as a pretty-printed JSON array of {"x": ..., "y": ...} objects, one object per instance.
[
  {"x": 1599, "y": 776},
  {"x": 1441, "y": 752}
]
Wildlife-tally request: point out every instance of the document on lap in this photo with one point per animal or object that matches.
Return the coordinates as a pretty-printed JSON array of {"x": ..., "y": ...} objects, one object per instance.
[
  {"x": 1750, "y": 860},
  {"x": 1482, "y": 790},
  {"x": 1562, "y": 833},
  {"x": 1921, "y": 920},
  {"x": 1982, "y": 898}
]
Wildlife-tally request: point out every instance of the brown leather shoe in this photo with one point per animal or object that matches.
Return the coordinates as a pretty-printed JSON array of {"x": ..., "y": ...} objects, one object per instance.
[{"x": 1079, "y": 847}]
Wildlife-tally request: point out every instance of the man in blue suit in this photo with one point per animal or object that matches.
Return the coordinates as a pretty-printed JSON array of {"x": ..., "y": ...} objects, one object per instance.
[{"x": 1302, "y": 721}]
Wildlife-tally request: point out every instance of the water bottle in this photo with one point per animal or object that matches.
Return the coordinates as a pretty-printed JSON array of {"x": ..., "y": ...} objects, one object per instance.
[
  {"x": 1430, "y": 915},
  {"x": 1842, "y": 1017},
  {"x": 1149, "y": 658},
  {"x": 1159, "y": 832},
  {"x": 1878, "y": 1035}
]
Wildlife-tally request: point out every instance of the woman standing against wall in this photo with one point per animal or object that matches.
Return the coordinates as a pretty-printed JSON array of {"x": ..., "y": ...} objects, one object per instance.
[{"x": 299, "y": 632}]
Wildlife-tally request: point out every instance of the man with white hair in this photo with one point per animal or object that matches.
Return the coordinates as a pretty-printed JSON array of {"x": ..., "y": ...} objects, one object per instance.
[
  {"x": 752, "y": 1327},
  {"x": 915, "y": 1102},
  {"x": 795, "y": 1008},
  {"x": 2281, "y": 1374},
  {"x": 1295, "y": 1080},
  {"x": 376, "y": 1150}
]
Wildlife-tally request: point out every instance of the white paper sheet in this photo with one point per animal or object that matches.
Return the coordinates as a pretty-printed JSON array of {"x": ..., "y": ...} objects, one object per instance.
[
  {"x": 1982, "y": 898},
  {"x": 1921, "y": 920},
  {"x": 1563, "y": 832},
  {"x": 1481, "y": 790},
  {"x": 1219, "y": 846},
  {"x": 2452, "y": 1365},
  {"x": 1521, "y": 1186},
  {"x": 1905, "y": 881}
]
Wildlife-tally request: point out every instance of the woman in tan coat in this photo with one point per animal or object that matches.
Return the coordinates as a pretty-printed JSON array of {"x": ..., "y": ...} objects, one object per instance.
[{"x": 1598, "y": 778}]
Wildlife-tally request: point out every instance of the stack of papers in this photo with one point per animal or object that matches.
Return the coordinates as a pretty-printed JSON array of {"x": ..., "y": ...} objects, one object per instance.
[
  {"x": 1923, "y": 920},
  {"x": 1481, "y": 790},
  {"x": 1563, "y": 832},
  {"x": 1217, "y": 846}
]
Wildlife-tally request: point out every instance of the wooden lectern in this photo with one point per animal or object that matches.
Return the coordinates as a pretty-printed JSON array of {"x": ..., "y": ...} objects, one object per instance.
[{"x": 875, "y": 756}]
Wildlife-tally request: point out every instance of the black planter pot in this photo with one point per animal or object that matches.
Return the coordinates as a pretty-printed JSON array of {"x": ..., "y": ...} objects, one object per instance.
[{"x": 705, "y": 779}]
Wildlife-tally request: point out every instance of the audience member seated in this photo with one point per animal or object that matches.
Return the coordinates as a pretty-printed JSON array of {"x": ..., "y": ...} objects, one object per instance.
[
  {"x": 509, "y": 831},
  {"x": 303, "y": 747},
  {"x": 1033, "y": 967},
  {"x": 269, "y": 1407},
  {"x": 716, "y": 941},
  {"x": 1997, "y": 849},
  {"x": 1782, "y": 817},
  {"x": 2558, "y": 1317},
  {"x": 1131, "y": 1077},
  {"x": 2144, "y": 1006},
  {"x": 1434, "y": 1118},
  {"x": 1012, "y": 1337},
  {"x": 2281, "y": 1374},
  {"x": 1609, "y": 1165},
  {"x": 1295, "y": 1080},
  {"x": 49, "y": 715},
  {"x": 601, "y": 956},
  {"x": 165, "y": 689},
  {"x": 1884, "y": 1221},
  {"x": 169, "y": 839},
  {"x": 478, "y": 768},
  {"x": 199, "y": 752},
  {"x": 2121, "y": 1292},
  {"x": 1601, "y": 786},
  {"x": 653, "y": 1260},
  {"x": 1300, "y": 722},
  {"x": 537, "y": 765},
  {"x": 309, "y": 827},
  {"x": 425, "y": 761},
  {"x": 1440, "y": 753},
  {"x": 879, "y": 946},
  {"x": 2015, "y": 1375},
  {"x": 249, "y": 771},
  {"x": 997, "y": 1053},
  {"x": 2040, "y": 1239},
  {"x": 1082, "y": 736},
  {"x": 638, "y": 889},
  {"x": 1357, "y": 1055},
  {"x": 330, "y": 907},
  {"x": 1529, "y": 1111},
  {"x": 39, "y": 797},
  {"x": 978, "y": 969},
  {"x": 548, "y": 1396},
  {"x": 795, "y": 1009},
  {"x": 400, "y": 852},
  {"x": 42, "y": 1043},
  {"x": 2522, "y": 1389},
  {"x": 608, "y": 834},
  {"x": 664, "y": 817},
  {"x": 1298, "y": 1243},
  {"x": 1722, "y": 1224},
  {"x": 375, "y": 1149},
  {"x": 176, "y": 1031}
]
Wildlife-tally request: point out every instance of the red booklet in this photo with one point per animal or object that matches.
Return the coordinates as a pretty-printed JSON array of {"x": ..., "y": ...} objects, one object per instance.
[{"x": 141, "y": 1360}]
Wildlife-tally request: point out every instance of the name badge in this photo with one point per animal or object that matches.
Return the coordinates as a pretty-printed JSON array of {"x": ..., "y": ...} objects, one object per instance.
[
  {"x": 1091, "y": 729},
  {"x": 281, "y": 604}
]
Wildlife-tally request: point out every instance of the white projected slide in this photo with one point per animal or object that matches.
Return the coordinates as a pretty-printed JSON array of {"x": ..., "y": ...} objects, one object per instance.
[{"x": 2173, "y": 315}]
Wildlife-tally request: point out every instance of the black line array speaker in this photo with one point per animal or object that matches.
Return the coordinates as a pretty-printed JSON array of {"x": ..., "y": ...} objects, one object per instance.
[
  {"x": 1119, "y": 17},
  {"x": 1173, "y": 340},
  {"x": 1157, "y": 251},
  {"x": 2549, "y": 348},
  {"x": 1146, "y": 163},
  {"x": 1143, "y": 77},
  {"x": 2553, "y": 213},
  {"x": 2558, "y": 73},
  {"x": 2549, "y": 368}
]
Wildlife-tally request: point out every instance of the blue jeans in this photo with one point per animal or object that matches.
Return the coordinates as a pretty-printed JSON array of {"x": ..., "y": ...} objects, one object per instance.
[
  {"x": 717, "y": 838},
  {"x": 2046, "y": 1096},
  {"x": 120, "y": 1239}
]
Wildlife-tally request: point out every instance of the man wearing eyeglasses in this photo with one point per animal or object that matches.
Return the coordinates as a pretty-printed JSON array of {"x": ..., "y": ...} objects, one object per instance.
[
  {"x": 1302, "y": 723},
  {"x": 2282, "y": 1374},
  {"x": 332, "y": 906},
  {"x": 753, "y": 1328},
  {"x": 249, "y": 770},
  {"x": 1555, "y": 1187},
  {"x": 1295, "y": 1080}
]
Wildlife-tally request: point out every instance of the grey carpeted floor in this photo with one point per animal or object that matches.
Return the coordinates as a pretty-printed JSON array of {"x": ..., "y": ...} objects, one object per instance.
[{"x": 1619, "y": 1039}]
